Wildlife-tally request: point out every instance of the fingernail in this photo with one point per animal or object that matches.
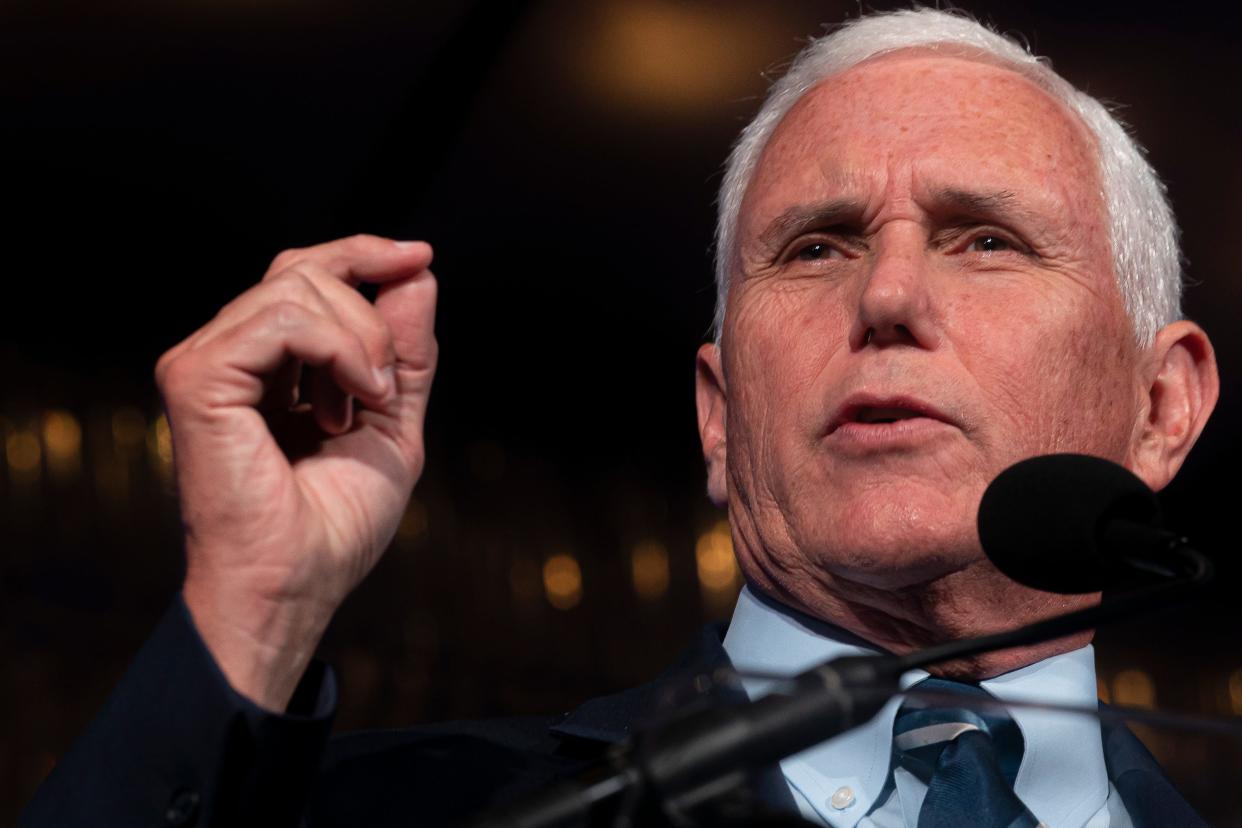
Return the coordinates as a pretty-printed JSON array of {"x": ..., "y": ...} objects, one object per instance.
[
  {"x": 406, "y": 245},
  {"x": 387, "y": 379}
]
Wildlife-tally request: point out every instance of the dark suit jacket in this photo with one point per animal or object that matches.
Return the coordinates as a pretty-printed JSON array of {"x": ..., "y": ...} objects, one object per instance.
[{"x": 175, "y": 745}]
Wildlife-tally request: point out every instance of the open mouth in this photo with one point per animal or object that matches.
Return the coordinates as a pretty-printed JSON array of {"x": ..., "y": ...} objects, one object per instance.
[
  {"x": 876, "y": 415},
  {"x": 871, "y": 410}
]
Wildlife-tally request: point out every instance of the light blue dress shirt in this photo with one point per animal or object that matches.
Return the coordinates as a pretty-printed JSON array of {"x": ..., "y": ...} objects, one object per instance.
[{"x": 1062, "y": 778}]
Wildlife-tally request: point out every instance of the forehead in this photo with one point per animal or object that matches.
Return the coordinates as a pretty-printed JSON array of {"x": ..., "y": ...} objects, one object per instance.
[{"x": 928, "y": 121}]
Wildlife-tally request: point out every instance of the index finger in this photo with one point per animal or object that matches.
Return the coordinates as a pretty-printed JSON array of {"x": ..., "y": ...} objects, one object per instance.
[{"x": 358, "y": 259}]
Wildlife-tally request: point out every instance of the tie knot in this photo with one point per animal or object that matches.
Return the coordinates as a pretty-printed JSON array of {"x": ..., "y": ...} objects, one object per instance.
[{"x": 924, "y": 728}]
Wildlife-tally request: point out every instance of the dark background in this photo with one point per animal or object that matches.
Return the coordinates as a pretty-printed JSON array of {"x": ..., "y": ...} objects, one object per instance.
[{"x": 563, "y": 158}]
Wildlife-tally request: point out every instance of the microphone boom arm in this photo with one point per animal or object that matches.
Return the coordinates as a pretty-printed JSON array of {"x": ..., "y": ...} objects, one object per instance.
[
  {"x": 1198, "y": 571},
  {"x": 696, "y": 752}
]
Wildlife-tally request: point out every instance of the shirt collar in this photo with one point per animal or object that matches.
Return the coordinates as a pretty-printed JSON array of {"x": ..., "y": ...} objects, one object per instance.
[{"x": 1062, "y": 778}]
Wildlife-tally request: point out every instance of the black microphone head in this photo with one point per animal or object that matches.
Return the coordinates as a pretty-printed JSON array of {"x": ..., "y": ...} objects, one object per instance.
[{"x": 1041, "y": 521}]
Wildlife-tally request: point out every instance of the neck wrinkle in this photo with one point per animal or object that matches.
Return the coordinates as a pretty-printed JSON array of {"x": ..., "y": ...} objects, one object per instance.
[{"x": 974, "y": 601}]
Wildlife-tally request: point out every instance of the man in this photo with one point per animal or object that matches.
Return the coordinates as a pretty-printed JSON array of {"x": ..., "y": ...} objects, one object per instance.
[{"x": 935, "y": 259}]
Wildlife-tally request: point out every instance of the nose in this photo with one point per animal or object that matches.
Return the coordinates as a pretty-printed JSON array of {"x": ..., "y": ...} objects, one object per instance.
[{"x": 895, "y": 303}]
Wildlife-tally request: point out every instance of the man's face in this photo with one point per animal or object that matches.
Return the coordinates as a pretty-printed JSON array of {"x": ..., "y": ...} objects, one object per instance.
[{"x": 924, "y": 295}]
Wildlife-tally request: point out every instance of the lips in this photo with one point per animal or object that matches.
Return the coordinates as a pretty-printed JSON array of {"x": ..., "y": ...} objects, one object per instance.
[
  {"x": 881, "y": 410},
  {"x": 868, "y": 414}
]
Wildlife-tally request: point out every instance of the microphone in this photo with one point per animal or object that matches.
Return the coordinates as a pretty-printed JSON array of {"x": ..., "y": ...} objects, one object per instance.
[
  {"x": 1062, "y": 523},
  {"x": 1070, "y": 523}
]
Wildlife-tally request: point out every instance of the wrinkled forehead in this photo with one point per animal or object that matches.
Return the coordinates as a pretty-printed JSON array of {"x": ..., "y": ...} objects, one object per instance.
[{"x": 932, "y": 120}]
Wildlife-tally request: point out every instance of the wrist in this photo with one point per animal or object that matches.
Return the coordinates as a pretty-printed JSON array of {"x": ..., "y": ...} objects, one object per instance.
[{"x": 261, "y": 645}]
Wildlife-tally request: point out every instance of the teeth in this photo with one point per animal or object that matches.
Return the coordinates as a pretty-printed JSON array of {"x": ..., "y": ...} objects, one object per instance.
[{"x": 885, "y": 415}]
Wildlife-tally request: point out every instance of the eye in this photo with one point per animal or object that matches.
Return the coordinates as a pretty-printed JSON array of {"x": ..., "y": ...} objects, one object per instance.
[
  {"x": 817, "y": 251},
  {"x": 989, "y": 244}
]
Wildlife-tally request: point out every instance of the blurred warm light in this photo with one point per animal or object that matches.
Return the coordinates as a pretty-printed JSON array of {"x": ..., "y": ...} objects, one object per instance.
[
  {"x": 159, "y": 445},
  {"x": 23, "y": 452},
  {"x": 62, "y": 435},
  {"x": 1101, "y": 690},
  {"x": 62, "y": 440},
  {"x": 678, "y": 57},
  {"x": 562, "y": 581},
  {"x": 1235, "y": 691},
  {"x": 649, "y": 569},
  {"x": 714, "y": 555},
  {"x": 413, "y": 522},
  {"x": 1134, "y": 688},
  {"x": 129, "y": 429}
]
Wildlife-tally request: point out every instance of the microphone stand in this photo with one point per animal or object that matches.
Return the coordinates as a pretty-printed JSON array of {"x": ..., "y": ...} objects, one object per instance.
[{"x": 667, "y": 771}]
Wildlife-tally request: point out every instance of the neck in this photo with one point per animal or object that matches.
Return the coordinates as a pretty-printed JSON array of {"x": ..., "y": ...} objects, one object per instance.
[{"x": 974, "y": 601}]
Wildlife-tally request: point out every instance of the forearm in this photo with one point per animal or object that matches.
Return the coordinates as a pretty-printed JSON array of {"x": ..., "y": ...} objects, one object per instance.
[
  {"x": 174, "y": 733},
  {"x": 262, "y": 646}
]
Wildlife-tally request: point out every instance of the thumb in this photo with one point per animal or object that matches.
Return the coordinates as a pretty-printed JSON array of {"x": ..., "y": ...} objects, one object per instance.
[{"x": 408, "y": 307}]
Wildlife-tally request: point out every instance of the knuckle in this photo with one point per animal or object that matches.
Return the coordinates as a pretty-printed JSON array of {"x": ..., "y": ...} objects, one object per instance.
[
  {"x": 284, "y": 315},
  {"x": 172, "y": 375},
  {"x": 296, "y": 281},
  {"x": 172, "y": 361},
  {"x": 285, "y": 259},
  {"x": 161, "y": 368},
  {"x": 362, "y": 240}
]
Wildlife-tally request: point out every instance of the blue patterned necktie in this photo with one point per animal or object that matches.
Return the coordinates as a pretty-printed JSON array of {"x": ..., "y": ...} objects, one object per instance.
[{"x": 968, "y": 760}]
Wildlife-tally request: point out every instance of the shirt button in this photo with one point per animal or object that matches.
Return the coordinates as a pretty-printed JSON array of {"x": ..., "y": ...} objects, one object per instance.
[
  {"x": 842, "y": 798},
  {"x": 182, "y": 809}
]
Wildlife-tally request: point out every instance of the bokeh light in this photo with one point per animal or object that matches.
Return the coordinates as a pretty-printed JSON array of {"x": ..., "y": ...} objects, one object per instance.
[
  {"x": 1101, "y": 690},
  {"x": 159, "y": 447},
  {"x": 1134, "y": 688},
  {"x": 675, "y": 59},
  {"x": 562, "y": 581},
  {"x": 713, "y": 555},
  {"x": 62, "y": 439},
  {"x": 649, "y": 569},
  {"x": 23, "y": 452}
]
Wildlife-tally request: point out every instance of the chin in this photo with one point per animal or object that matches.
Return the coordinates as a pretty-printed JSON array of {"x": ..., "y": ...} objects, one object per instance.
[
  {"x": 895, "y": 569},
  {"x": 892, "y": 544}
]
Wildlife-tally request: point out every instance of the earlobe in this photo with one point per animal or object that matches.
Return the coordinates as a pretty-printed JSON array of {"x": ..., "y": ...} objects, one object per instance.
[
  {"x": 711, "y": 399},
  {"x": 1182, "y": 390}
]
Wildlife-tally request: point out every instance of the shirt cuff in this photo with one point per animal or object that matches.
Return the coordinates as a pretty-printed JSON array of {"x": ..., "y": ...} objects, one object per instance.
[{"x": 176, "y": 745}]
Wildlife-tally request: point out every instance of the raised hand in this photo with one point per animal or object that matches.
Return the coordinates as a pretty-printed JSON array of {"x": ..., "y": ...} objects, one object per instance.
[{"x": 288, "y": 499}]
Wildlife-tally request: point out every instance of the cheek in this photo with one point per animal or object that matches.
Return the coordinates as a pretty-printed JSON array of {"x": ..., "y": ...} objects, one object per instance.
[
  {"x": 1054, "y": 381},
  {"x": 780, "y": 341},
  {"x": 1097, "y": 406}
]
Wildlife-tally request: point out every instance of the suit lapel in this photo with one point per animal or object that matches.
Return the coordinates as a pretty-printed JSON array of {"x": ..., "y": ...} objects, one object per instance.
[
  {"x": 1149, "y": 796},
  {"x": 692, "y": 679}
]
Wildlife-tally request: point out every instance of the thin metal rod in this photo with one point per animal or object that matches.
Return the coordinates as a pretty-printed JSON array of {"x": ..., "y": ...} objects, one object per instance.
[
  {"x": 1122, "y": 606},
  {"x": 1231, "y": 725}
]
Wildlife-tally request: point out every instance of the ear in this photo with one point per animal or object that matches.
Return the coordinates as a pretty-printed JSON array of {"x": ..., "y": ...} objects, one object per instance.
[
  {"x": 711, "y": 397},
  {"x": 1182, "y": 387}
]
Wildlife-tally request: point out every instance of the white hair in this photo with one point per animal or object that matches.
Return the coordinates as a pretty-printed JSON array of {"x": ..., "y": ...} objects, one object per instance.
[{"x": 1143, "y": 232}]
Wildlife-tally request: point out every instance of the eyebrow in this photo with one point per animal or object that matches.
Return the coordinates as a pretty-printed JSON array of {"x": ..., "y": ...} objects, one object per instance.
[
  {"x": 1000, "y": 205},
  {"x": 802, "y": 217},
  {"x": 991, "y": 204}
]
